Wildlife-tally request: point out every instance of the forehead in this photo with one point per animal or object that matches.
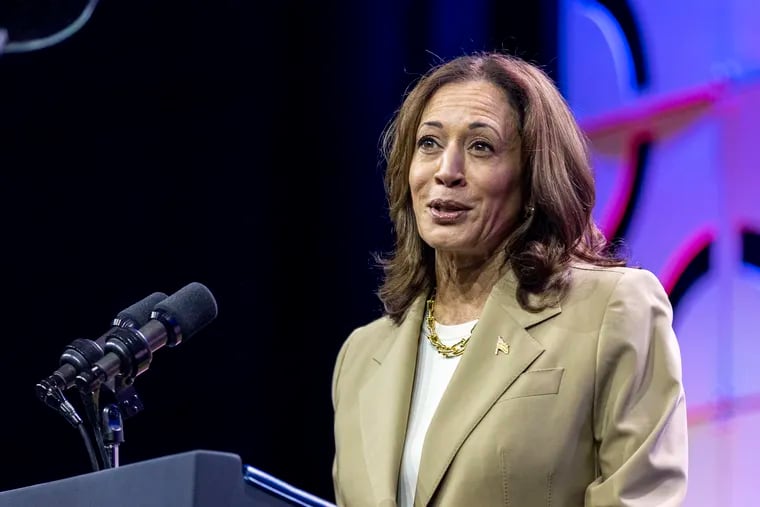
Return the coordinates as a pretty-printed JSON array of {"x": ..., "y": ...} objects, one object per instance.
[{"x": 468, "y": 101}]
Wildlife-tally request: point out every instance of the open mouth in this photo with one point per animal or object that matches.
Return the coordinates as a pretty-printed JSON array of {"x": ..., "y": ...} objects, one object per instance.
[
  {"x": 447, "y": 205},
  {"x": 447, "y": 211}
]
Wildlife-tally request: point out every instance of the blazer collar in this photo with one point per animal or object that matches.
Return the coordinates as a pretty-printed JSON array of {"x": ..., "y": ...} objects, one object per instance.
[
  {"x": 480, "y": 379},
  {"x": 384, "y": 404}
]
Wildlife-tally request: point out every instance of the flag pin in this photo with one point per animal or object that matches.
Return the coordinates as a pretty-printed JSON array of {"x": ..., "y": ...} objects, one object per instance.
[{"x": 501, "y": 345}]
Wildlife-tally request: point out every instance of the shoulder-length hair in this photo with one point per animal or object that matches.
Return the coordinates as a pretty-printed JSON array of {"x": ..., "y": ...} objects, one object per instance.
[{"x": 557, "y": 186}]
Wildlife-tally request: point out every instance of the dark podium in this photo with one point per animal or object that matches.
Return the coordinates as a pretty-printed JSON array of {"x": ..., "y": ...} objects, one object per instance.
[{"x": 192, "y": 479}]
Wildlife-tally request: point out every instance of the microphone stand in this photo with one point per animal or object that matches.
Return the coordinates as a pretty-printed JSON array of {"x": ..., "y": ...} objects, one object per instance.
[
  {"x": 107, "y": 423},
  {"x": 112, "y": 427},
  {"x": 127, "y": 404}
]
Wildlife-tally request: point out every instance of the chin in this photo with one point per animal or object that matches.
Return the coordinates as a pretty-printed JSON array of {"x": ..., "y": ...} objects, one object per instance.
[{"x": 447, "y": 243}]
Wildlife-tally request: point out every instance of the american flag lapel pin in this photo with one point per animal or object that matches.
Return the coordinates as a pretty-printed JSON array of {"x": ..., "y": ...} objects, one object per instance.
[{"x": 501, "y": 345}]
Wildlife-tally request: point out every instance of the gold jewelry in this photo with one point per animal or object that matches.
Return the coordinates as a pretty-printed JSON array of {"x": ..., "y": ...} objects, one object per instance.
[
  {"x": 501, "y": 346},
  {"x": 445, "y": 350}
]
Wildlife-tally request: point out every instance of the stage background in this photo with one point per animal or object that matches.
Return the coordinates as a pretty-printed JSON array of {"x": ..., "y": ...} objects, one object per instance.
[{"x": 237, "y": 146}]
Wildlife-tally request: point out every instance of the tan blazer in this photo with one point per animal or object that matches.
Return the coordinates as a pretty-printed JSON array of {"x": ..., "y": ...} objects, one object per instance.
[{"x": 587, "y": 408}]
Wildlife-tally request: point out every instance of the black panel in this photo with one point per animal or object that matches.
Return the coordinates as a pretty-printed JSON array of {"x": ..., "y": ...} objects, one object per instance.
[
  {"x": 751, "y": 248},
  {"x": 621, "y": 11},
  {"x": 639, "y": 164},
  {"x": 697, "y": 267}
]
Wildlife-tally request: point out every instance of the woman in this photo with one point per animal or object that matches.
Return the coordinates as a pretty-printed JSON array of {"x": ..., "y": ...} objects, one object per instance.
[{"x": 518, "y": 361}]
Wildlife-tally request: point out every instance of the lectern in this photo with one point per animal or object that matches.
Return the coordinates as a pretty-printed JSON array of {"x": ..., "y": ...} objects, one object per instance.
[{"x": 198, "y": 478}]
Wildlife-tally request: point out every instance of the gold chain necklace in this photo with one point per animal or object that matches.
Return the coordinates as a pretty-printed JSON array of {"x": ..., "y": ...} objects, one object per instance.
[{"x": 445, "y": 350}]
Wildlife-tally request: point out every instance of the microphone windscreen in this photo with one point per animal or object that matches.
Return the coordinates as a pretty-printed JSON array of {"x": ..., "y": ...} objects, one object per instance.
[
  {"x": 192, "y": 308},
  {"x": 139, "y": 313}
]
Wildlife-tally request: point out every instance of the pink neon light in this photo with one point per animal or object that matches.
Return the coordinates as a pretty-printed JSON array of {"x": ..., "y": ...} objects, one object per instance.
[
  {"x": 617, "y": 204},
  {"x": 677, "y": 263},
  {"x": 642, "y": 116},
  {"x": 722, "y": 409}
]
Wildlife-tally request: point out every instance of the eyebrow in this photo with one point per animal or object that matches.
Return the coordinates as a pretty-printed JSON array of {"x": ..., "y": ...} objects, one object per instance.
[{"x": 472, "y": 126}]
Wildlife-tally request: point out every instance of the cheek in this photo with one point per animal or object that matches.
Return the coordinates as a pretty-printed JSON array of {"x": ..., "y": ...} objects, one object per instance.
[
  {"x": 416, "y": 183},
  {"x": 503, "y": 200},
  {"x": 500, "y": 188}
]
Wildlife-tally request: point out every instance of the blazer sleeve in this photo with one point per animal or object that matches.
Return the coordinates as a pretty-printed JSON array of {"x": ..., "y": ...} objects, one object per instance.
[
  {"x": 335, "y": 394},
  {"x": 640, "y": 422}
]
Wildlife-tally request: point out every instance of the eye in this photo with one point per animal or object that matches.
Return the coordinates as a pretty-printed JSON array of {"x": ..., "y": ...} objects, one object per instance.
[
  {"x": 427, "y": 143},
  {"x": 482, "y": 147}
]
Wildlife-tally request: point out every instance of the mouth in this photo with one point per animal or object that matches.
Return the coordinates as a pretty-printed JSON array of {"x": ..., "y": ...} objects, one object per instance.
[
  {"x": 447, "y": 205},
  {"x": 446, "y": 211}
]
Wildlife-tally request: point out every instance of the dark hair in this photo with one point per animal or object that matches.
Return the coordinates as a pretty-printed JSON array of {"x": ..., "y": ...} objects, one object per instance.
[{"x": 557, "y": 186}]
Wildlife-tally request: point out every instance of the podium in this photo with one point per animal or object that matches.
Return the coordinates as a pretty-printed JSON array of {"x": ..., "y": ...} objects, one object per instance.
[{"x": 192, "y": 479}]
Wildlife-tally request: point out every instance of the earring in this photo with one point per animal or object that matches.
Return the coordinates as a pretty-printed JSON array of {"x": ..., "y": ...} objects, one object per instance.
[{"x": 529, "y": 210}]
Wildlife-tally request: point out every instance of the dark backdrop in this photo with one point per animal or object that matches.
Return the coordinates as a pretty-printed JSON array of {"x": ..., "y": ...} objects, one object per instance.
[{"x": 219, "y": 142}]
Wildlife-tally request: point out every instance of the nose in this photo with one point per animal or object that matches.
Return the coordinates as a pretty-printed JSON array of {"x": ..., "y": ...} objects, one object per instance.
[{"x": 450, "y": 172}]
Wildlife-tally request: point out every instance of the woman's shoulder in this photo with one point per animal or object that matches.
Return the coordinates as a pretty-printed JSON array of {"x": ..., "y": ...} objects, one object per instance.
[
  {"x": 612, "y": 274},
  {"x": 369, "y": 336},
  {"x": 624, "y": 281},
  {"x": 373, "y": 329}
]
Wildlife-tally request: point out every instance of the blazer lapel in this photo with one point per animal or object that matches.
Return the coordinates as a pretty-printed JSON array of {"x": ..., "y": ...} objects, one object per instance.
[
  {"x": 384, "y": 404},
  {"x": 479, "y": 380}
]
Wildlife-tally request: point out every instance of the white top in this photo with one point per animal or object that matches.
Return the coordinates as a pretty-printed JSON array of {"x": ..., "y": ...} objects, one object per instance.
[{"x": 431, "y": 377}]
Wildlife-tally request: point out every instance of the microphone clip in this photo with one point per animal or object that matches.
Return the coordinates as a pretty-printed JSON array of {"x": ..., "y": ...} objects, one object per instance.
[{"x": 50, "y": 393}]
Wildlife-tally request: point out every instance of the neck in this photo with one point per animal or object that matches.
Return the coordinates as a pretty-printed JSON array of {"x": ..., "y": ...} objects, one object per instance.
[{"x": 463, "y": 288}]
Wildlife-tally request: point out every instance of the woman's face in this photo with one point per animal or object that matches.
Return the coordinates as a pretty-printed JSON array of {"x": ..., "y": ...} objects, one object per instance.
[{"x": 465, "y": 173}]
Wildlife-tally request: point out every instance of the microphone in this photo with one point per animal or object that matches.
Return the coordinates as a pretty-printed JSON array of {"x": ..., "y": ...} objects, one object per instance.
[
  {"x": 129, "y": 350},
  {"x": 81, "y": 353}
]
